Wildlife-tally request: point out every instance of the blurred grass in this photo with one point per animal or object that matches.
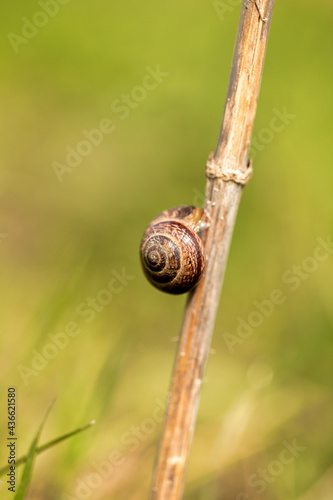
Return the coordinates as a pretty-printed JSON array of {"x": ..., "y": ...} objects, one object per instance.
[
  {"x": 65, "y": 239},
  {"x": 22, "y": 488}
]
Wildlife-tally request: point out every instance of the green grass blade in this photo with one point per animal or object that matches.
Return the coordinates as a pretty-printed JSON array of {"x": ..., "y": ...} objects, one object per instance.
[
  {"x": 63, "y": 437},
  {"x": 47, "y": 445},
  {"x": 26, "y": 475}
]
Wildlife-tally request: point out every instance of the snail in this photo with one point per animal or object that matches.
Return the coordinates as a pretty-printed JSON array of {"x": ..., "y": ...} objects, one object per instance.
[{"x": 172, "y": 252}]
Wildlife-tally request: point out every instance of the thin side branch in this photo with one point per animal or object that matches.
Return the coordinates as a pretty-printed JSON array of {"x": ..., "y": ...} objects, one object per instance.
[{"x": 221, "y": 205}]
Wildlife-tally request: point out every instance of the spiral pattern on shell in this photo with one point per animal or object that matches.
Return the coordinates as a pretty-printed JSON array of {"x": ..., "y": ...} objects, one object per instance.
[{"x": 172, "y": 256}]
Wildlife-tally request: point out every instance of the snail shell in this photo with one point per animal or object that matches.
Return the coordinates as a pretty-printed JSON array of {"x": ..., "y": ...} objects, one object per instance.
[{"x": 172, "y": 253}]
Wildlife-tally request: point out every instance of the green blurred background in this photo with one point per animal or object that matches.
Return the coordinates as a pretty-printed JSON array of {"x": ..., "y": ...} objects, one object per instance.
[{"x": 63, "y": 238}]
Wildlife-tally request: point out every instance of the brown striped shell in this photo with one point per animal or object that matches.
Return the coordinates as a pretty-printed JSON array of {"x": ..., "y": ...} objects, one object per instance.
[{"x": 172, "y": 253}]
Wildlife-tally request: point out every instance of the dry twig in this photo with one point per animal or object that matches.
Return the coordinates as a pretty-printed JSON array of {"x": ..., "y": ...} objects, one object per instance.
[{"x": 227, "y": 170}]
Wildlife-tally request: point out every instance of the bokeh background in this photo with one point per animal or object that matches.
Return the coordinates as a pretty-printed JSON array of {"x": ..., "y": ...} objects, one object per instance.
[{"x": 108, "y": 356}]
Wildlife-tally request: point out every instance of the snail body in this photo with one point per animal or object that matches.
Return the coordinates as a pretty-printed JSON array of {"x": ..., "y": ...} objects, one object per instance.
[{"x": 172, "y": 253}]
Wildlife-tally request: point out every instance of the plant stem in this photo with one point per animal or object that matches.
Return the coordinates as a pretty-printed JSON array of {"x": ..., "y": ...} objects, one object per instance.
[{"x": 221, "y": 205}]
